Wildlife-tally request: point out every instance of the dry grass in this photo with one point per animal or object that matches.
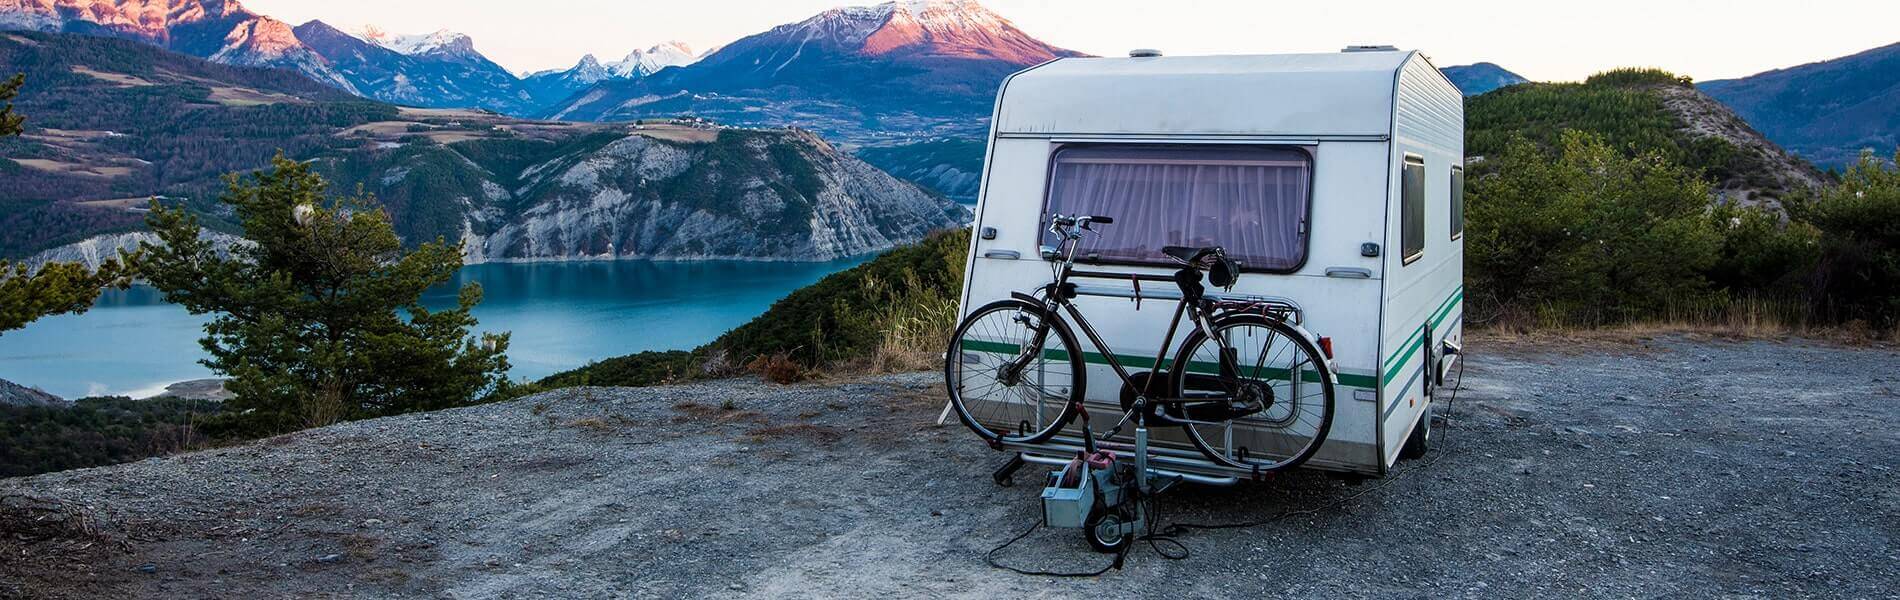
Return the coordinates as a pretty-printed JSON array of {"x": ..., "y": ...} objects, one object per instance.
[
  {"x": 778, "y": 368},
  {"x": 54, "y": 166},
  {"x": 1741, "y": 318},
  {"x": 120, "y": 79}
]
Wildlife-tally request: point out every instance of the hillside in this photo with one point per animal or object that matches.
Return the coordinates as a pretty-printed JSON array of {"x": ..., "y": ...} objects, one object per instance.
[
  {"x": 111, "y": 122},
  {"x": 1827, "y": 111},
  {"x": 1482, "y": 77},
  {"x": 158, "y": 123},
  {"x": 440, "y": 70},
  {"x": 1649, "y": 111},
  {"x": 856, "y": 73},
  {"x": 950, "y": 166}
]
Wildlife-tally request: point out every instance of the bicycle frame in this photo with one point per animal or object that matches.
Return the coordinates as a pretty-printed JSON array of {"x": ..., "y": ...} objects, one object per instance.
[{"x": 1054, "y": 295}]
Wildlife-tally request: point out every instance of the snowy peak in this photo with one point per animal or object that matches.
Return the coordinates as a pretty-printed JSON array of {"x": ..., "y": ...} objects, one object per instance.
[
  {"x": 641, "y": 63},
  {"x": 442, "y": 41},
  {"x": 589, "y": 70},
  {"x": 924, "y": 28}
]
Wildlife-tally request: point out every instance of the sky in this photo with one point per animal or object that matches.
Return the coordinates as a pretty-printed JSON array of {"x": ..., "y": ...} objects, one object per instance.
[{"x": 1545, "y": 41}]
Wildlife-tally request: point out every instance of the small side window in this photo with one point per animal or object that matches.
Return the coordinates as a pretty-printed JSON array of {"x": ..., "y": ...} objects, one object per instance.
[
  {"x": 1412, "y": 209},
  {"x": 1457, "y": 202}
]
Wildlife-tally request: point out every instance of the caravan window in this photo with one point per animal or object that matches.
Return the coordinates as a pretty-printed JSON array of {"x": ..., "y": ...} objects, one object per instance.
[
  {"x": 1251, "y": 200},
  {"x": 1457, "y": 202},
  {"x": 1412, "y": 209}
]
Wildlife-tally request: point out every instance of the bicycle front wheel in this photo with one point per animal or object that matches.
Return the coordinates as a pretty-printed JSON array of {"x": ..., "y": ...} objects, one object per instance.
[
  {"x": 1261, "y": 394},
  {"x": 1011, "y": 369}
]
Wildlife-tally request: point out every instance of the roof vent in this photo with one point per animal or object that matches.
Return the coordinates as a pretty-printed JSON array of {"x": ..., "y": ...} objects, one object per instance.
[
  {"x": 1371, "y": 48},
  {"x": 1144, "y": 53}
]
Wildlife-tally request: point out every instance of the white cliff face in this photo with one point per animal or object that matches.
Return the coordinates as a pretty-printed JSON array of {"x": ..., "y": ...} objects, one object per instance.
[
  {"x": 95, "y": 250},
  {"x": 750, "y": 195},
  {"x": 732, "y": 194}
]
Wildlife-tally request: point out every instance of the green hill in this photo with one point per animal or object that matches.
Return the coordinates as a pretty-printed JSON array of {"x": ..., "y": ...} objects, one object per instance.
[{"x": 1642, "y": 110}]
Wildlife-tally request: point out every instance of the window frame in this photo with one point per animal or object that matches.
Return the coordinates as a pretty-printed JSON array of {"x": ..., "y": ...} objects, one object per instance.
[
  {"x": 1457, "y": 202},
  {"x": 1406, "y": 163},
  {"x": 1306, "y": 228}
]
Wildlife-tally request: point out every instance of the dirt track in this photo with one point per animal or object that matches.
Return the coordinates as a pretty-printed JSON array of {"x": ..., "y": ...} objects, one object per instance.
[{"x": 1678, "y": 468}]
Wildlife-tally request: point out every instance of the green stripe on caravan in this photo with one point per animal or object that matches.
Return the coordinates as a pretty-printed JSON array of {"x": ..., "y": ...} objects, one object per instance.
[
  {"x": 1345, "y": 379},
  {"x": 1416, "y": 341}
]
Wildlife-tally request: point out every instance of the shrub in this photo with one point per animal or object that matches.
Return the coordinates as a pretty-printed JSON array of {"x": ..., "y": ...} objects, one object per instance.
[
  {"x": 1859, "y": 220},
  {"x": 1586, "y": 235}
]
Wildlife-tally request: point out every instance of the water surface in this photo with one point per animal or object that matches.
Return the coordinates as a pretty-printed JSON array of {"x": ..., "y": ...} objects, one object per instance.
[{"x": 561, "y": 314}]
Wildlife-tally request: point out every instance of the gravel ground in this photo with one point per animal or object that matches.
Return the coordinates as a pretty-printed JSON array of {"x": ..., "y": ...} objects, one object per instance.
[{"x": 1669, "y": 467}]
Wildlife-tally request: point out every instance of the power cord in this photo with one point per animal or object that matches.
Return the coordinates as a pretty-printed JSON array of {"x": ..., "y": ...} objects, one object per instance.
[{"x": 1167, "y": 534}]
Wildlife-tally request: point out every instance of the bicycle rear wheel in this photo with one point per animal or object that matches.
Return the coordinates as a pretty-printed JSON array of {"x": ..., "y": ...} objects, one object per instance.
[
  {"x": 1270, "y": 369},
  {"x": 1011, "y": 369}
]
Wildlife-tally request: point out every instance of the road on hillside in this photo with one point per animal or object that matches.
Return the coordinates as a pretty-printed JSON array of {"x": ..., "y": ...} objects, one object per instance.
[{"x": 1676, "y": 466}]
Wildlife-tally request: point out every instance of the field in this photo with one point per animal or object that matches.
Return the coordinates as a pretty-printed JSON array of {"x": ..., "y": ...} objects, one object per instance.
[{"x": 1672, "y": 466}]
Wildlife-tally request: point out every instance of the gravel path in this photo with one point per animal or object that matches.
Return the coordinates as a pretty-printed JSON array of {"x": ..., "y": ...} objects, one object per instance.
[{"x": 1676, "y": 467}]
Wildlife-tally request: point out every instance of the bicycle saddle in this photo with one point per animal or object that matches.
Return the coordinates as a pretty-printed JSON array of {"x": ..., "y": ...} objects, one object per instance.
[
  {"x": 1223, "y": 272},
  {"x": 1190, "y": 254}
]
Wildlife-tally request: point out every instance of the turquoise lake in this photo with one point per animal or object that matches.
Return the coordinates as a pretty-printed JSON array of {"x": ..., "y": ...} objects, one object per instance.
[{"x": 561, "y": 314}]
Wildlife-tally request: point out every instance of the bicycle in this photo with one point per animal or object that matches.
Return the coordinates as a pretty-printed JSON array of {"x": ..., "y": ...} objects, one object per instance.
[{"x": 1017, "y": 360}]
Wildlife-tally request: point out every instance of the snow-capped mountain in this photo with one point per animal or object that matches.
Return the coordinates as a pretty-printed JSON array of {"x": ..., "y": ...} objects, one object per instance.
[
  {"x": 442, "y": 41},
  {"x": 555, "y": 85},
  {"x": 440, "y": 69},
  {"x": 914, "y": 66},
  {"x": 221, "y": 30},
  {"x": 449, "y": 75},
  {"x": 641, "y": 63}
]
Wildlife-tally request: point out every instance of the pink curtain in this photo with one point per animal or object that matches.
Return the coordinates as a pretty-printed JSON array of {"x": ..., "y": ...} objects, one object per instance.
[{"x": 1250, "y": 200}]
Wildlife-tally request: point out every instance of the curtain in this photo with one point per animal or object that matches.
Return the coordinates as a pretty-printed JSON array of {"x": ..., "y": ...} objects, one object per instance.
[{"x": 1250, "y": 200}]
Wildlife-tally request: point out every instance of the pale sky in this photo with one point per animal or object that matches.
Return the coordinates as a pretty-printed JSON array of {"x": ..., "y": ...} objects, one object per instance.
[{"x": 1706, "y": 39}]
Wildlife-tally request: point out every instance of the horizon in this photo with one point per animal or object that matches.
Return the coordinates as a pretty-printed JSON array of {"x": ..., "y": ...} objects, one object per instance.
[{"x": 1703, "y": 39}]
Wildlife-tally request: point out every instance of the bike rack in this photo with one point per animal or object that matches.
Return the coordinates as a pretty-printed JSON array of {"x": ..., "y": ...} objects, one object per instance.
[{"x": 1166, "y": 463}]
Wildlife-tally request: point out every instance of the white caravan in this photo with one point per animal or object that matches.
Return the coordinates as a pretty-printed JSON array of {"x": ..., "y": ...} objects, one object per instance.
[{"x": 1336, "y": 179}]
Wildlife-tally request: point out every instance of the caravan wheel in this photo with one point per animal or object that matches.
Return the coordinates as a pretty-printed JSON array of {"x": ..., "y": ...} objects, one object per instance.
[{"x": 1421, "y": 438}]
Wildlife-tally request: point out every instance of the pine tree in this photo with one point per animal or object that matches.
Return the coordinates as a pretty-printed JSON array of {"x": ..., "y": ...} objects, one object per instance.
[{"x": 319, "y": 315}]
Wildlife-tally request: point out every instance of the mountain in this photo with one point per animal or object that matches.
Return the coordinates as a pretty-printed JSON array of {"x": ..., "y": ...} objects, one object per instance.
[
  {"x": 949, "y": 166},
  {"x": 556, "y": 85},
  {"x": 641, "y": 63},
  {"x": 1826, "y": 111},
  {"x": 435, "y": 70},
  {"x": 220, "y": 30},
  {"x": 112, "y": 123},
  {"x": 1481, "y": 77},
  {"x": 440, "y": 71},
  {"x": 1644, "y": 111},
  {"x": 858, "y": 73}
]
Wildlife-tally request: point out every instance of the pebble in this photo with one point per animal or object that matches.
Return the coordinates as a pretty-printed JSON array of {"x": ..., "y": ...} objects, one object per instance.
[
  {"x": 329, "y": 558},
  {"x": 146, "y": 568}
]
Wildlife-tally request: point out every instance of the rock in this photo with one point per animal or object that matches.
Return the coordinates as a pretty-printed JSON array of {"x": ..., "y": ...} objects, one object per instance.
[
  {"x": 147, "y": 568},
  {"x": 329, "y": 558},
  {"x": 13, "y": 394}
]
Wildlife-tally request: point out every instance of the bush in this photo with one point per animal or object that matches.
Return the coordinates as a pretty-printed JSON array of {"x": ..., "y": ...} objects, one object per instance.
[
  {"x": 1859, "y": 221},
  {"x": 1586, "y": 235},
  {"x": 98, "y": 431}
]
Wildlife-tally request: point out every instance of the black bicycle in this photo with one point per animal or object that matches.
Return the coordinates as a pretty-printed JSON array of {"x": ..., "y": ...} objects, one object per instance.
[{"x": 1250, "y": 389}]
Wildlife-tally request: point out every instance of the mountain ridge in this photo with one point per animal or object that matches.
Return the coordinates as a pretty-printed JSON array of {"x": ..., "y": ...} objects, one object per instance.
[
  {"x": 860, "y": 72},
  {"x": 514, "y": 190},
  {"x": 1827, "y": 111}
]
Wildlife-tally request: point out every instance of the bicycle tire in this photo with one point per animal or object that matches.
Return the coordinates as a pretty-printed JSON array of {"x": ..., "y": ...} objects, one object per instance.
[
  {"x": 1179, "y": 378},
  {"x": 958, "y": 355}
]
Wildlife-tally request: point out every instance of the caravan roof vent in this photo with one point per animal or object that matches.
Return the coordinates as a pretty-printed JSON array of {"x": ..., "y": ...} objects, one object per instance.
[
  {"x": 1144, "y": 53},
  {"x": 1371, "y": 48}
]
